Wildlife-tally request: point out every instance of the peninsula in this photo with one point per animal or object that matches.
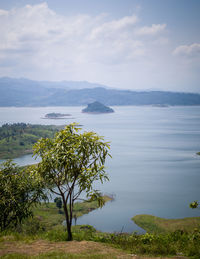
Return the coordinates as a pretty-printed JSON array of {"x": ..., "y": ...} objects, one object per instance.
[{"x": 97, "y": 107}]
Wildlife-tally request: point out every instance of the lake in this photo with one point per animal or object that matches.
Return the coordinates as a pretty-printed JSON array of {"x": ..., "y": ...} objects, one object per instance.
[{"x": 154, "y": 167}]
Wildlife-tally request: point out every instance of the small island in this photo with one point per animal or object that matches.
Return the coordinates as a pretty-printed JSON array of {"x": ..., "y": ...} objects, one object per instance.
[
  {"x": 55, "y": 116},
  {"x": 160, "y": 105},
  {"x": 96, "y": 108}
]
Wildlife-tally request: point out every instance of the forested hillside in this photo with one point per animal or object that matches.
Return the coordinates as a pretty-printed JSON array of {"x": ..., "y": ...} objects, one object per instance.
[
  {"x": 24, "y": 92},
  {"x": 17, "y": 139}
]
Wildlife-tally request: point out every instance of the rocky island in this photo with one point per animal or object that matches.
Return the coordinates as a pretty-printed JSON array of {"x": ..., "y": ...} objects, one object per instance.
[
  {"x": 97, "y": 107},
  {"x": 54, "y": 115}
]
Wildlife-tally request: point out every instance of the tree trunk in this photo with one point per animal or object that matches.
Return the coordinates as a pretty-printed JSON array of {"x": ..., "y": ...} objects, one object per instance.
[
  {"x": 68, "y": 225},
  {"x": 69, "y": 233}
]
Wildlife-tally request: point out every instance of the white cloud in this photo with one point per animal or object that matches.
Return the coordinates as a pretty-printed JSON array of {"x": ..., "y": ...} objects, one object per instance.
[
  {"x": 107, "y": 29},
  {"x": 154, "y": 29},
  {"x": 41, "y": 34},
  {"x": 39, "y": 43},
  {"x": 188, "y": 50}
]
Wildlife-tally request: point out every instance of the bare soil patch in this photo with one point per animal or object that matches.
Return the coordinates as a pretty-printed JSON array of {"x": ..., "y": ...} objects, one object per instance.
[{"x": 73, "y": 247}]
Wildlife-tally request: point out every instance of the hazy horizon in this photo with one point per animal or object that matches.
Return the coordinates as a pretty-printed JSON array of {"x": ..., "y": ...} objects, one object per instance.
[{"x": 98, "y": 85}]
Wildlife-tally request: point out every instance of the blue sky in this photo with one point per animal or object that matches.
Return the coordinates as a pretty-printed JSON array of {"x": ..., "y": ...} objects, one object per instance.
[{"x": 127, "y": 44}]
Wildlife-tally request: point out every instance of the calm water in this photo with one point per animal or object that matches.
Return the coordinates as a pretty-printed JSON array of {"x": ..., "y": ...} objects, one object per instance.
[{"x": 154, "y": 169}]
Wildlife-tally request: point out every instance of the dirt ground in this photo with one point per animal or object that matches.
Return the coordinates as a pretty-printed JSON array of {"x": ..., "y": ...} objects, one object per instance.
[{"x": 74, "y": 247}]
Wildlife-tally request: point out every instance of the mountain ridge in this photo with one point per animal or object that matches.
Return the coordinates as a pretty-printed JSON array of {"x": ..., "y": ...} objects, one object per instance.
[{"x": 24, "y": 93}]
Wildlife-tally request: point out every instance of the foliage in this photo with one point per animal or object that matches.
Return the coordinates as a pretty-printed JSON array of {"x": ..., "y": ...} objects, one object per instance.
[
  {"x": 49, "y": 215},
  {"x": 194, "y": 204},
  {"x": 169, "y": 244},
  {"x": 51, "y": 218},
  {"x": 19, "y": 190},
  {"x": 18, "y": 138},
  {"x": 47, "y": 220},
  {"x": 153, "y": 224},
  {"x": 31, "y": 226},
  {"x": 58, "y": 202},
  {"x": 174, "y": 243},
  {"x": 72, "y": 162},
  {"x": 177, "y": 243}
]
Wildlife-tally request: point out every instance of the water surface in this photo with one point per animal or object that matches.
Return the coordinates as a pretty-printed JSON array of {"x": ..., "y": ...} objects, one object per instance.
[{"x": 154, "y": 167}]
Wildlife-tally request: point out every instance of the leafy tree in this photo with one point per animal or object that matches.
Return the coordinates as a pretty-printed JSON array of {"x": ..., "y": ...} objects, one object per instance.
[
  {"x": 19, "y": 190},
  {"x": 58, "y": 202},
  {"x": 72, "y": 161}
]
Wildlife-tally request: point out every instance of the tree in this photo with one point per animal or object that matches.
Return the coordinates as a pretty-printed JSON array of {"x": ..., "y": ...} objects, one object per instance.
[
  {"x": 58, "y": 203},
  {"x": 20, "y": 189},
  {"x": 72, "y": 161}
]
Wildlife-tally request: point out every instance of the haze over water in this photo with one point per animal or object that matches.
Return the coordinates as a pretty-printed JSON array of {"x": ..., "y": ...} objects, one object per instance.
[{"x": 154, "y": 167}]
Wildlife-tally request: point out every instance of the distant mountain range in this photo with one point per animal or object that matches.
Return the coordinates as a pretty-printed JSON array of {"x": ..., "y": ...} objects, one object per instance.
[{"x": 25, "y": 92}]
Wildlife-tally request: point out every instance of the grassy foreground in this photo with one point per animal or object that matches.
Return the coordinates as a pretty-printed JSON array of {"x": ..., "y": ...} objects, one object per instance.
[
  {"x": 153, "y": 224},
  {"x": 36, "y": 242},
  {"x": 44, "y": 236},
  {"x": 49, "y": 216},
  {"x": 89, "y": 243}
]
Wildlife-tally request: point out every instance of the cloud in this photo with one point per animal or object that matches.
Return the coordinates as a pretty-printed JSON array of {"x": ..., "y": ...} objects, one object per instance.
[
  {"x": 47, "y": 45},
  {"x": 39, "y": 30},
  {"x": 192, "y": 50},
  {"x": 107, "y": 29},
  {"x": 154, "y": 29}
]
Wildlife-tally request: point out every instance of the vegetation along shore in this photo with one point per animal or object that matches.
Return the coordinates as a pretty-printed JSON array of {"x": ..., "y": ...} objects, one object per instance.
[{"x": 32, "y": 227}]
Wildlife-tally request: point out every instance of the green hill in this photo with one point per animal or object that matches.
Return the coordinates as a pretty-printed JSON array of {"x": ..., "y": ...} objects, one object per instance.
[
  {"x": 24, "y": 92},
  {"x": 97, "y": 107},
  {"x": 17, "y": 139}
]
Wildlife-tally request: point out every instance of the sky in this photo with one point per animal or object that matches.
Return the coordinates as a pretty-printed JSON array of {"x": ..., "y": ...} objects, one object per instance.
[{"x": 125, "y": 44}]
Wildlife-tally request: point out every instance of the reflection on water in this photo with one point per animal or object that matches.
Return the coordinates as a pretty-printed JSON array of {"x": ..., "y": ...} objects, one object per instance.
[{"x": 154, "y": 169}]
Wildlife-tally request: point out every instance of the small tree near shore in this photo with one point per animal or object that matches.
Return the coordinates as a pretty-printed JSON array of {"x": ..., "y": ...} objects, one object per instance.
[
  {"x": 71, "y": 162},
  {"x": 58, "y": 203},
  {"x": 194, "y": 204}
]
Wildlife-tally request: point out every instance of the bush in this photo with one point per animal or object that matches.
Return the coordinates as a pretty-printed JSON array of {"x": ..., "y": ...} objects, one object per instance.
[
  {"x": 56, "y": 235},
  {"x": 20, "y": 189},
  {"x": 32, "y": 226}
]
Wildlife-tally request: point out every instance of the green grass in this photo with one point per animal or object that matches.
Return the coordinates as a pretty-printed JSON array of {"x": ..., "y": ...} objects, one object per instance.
[
  {"x": 153, "y": 224},
  {"x": 46, "y": 223},
  {"x": 81, "y": 208},
  {"x": 168, "y": 244},
  {"x": 167, "y": 237},
  {"x": 50, "y": 216}
]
